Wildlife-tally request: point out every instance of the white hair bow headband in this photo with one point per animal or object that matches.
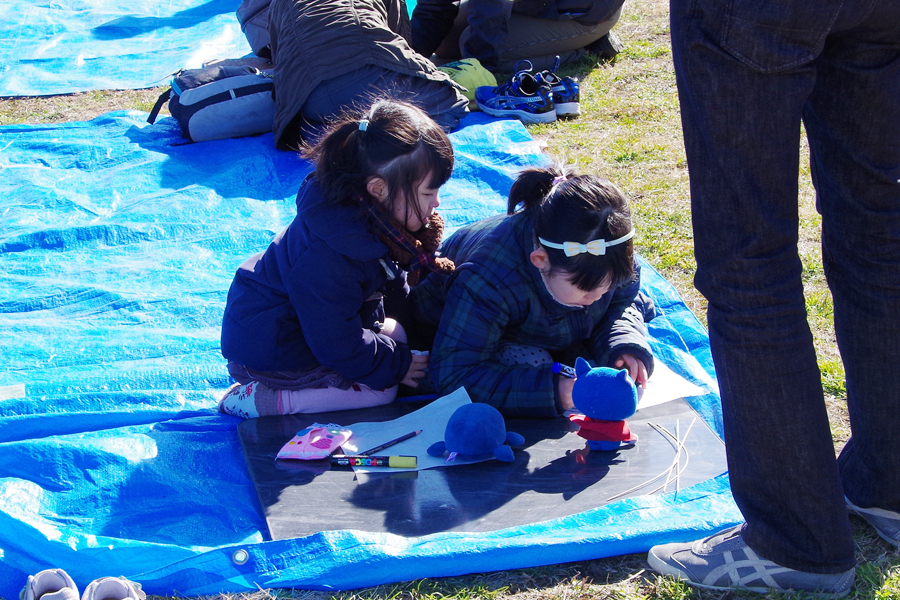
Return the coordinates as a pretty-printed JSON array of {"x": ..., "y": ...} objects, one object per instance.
[{"x": 595, "y": 247}]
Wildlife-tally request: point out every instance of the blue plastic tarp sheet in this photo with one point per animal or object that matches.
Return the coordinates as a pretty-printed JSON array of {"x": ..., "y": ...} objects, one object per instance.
[
  {"x": 51, "y": 48},
  {"x": 117, "y": 247}
]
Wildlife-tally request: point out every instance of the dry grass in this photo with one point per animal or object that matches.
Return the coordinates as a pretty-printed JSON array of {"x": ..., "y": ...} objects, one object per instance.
[{"x": 630, "y": 132}]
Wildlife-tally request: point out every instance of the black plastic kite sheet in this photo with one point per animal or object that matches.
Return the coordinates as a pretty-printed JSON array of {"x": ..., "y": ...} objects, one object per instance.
[{"x": 117, "y": 248}]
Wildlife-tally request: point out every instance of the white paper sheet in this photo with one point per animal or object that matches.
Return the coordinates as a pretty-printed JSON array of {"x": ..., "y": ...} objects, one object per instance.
[
  {"x": 666, "y": 385},
  {"x": 431, "y": 419}
]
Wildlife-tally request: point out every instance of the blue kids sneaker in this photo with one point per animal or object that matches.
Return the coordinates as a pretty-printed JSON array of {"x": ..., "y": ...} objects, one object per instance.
[
  {"x": 565, "y": 91},
  {"x": 523, "y": 96}
]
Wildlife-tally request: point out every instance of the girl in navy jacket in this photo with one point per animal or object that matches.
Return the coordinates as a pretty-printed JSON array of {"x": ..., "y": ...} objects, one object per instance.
[{"x": 305, "y": 327}]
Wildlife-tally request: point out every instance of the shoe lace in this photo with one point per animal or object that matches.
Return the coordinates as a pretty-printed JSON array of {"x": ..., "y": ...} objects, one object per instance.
[{"x": 549, "y": 77}]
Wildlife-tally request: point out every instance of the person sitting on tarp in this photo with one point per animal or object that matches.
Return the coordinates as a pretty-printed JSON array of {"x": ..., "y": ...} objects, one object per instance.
[
  {"x": 500, "y": 33},
  {"x": 305, "y": 328},
  {"x": 330, "y": 54},
  {"x": 550, "y": 281}
]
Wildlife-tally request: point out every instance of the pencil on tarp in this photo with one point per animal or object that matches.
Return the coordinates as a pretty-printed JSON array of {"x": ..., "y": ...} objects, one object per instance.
[
  {"x": 397, "y": 462},
  {"x": 381, "y": 447}
]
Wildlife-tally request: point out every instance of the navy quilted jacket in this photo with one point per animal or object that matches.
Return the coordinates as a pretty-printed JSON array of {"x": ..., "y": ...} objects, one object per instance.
[{"x": 313, "y": 297}]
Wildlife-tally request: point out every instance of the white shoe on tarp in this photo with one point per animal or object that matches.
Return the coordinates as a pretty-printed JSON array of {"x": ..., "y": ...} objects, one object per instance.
[{"x": 49, "y": 584}]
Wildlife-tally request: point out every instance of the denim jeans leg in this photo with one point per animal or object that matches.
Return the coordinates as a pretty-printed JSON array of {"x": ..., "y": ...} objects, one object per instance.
[
  {"x": 855, "y": 150},
  {"x": 440, "y": 100},
  {"x": 741, "y": 111}
]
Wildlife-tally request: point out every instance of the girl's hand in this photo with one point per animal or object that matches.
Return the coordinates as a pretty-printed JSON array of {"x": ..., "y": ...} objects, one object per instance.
[
  {"x": 637, "y": 370},
  {"x": 565, "y": 385},
  {"x": 416, "y": 370}
]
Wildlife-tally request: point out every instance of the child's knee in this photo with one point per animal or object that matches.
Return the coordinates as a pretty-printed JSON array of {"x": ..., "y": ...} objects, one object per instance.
[{"x": 394, "y": 330}]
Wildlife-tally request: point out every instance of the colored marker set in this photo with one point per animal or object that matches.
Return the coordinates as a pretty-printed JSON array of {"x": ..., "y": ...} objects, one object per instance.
[{"x": 397, "y": 462}]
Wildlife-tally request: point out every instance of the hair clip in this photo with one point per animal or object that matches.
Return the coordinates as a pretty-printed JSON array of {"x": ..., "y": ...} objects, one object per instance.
[
  {"x": 595, "y": 247},
  {"x": 363, "y": 124}
]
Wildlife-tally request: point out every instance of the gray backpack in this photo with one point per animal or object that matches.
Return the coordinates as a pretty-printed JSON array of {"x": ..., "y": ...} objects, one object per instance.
[
  {"x": 253, "y": 15},
  {"x": 220, "y": 102}
]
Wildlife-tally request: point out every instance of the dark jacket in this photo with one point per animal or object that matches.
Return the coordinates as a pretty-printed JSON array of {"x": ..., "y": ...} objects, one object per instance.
[
  {"x": 497, "y": 296},
  {"x": 313, "y": 298},
  {"x": 314, "y": 40},
  {"x": 487, "y": 21}
]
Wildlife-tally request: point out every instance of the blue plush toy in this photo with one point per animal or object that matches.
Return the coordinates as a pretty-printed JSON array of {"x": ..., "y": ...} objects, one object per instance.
[
  {"x": 477, "y": 431},
  {"x": 606, "y": 397}
]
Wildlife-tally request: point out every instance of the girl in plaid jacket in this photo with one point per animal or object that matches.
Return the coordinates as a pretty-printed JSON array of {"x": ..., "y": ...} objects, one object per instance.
[{"x": 554, "y": 279}]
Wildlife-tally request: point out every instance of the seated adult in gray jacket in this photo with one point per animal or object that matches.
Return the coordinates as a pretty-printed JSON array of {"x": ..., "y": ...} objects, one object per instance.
[{"x": 329, "y": 54}]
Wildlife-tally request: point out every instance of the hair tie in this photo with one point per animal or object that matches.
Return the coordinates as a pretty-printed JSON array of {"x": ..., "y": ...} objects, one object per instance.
[
  {"x": 558, "y": 180},
  {"x": 363, "y": 124}
]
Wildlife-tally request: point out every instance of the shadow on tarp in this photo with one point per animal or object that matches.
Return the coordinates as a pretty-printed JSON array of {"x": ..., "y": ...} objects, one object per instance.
[
  {"x": 130, "y": 25},
  {"x": 552, "y": 475}
]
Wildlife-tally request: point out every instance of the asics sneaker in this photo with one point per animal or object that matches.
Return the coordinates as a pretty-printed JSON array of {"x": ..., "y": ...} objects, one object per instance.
[
  {"x": 523, "y": 96},
  {"x": 885, "y": 522},
  {"x": 725, "y": 562},
  {"x": 566, "y": 93}
]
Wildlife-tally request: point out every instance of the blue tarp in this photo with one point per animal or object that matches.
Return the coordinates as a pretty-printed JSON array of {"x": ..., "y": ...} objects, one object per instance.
[
  {"x": 79, "y": 45},
  {"x": 117, "y": 247},
  {"x": 49, "y": 48}
]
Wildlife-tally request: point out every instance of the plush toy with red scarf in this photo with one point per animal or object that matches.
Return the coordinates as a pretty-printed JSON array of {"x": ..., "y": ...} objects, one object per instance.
[{"x": 606, "y": 397}]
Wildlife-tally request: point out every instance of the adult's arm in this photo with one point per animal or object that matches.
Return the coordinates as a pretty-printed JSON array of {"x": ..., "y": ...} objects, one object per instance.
[{"x": 432, "y": 20}]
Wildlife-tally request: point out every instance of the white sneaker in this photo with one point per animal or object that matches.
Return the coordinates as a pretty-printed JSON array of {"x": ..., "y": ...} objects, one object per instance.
[
  {"x": 49, "y": 584},
  {"x": 113, "y": 588}
]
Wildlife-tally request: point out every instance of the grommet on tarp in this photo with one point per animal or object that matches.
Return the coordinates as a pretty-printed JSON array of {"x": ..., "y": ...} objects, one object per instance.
[{"x": 240, "y": 556}]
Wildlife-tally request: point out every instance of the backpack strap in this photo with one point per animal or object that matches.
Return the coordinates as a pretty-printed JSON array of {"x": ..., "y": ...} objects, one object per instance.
[
  {"x": 231, "y": 94},
  {"x": 163, "y": 98}
]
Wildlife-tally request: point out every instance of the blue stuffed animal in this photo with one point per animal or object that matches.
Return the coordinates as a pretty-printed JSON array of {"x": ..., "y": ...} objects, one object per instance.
[
  {"x": 606, "y": 397},
  {"x": 477, "y": 431}
]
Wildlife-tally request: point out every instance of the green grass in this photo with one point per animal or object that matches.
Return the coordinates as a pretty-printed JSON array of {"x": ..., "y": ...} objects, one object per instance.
[{"x": 630, "y": 132}]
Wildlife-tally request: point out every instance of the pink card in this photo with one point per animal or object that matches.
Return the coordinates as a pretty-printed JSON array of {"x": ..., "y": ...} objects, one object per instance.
[{"x": 315, "y": 442}]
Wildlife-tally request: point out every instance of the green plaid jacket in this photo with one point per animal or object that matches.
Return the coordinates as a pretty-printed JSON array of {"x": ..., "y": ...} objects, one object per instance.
[{"x": 497, "y": 296}]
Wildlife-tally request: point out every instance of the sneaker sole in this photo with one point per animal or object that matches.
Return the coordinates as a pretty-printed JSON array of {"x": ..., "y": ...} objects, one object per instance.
[
  {"x": 568, "y": 109},
  {"x": 664, "y": 568},
  {"x": 525, "y": 117}
]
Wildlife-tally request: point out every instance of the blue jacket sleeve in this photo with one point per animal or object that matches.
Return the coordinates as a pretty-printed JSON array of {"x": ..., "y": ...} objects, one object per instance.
[
  {"x": 464, "y": 355},
  {"x": 488, "y": 22},
  {"x": 328, "y": 291}
]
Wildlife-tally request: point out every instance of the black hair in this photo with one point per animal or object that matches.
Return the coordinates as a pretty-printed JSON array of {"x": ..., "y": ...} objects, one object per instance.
[
  {"x": 391, "y": 139},
  {"x": 577, "y": 208}
]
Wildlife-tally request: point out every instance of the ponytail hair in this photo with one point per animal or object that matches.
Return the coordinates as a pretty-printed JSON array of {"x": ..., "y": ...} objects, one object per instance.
[
  {"x": 393, "y": 140},
  {"x": 577, "y": 208}
]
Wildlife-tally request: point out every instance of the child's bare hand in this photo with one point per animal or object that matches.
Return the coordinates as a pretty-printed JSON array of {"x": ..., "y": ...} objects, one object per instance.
[
  {"x": 564, "y": 385},
  {"x": 637, "y": 370},
  {"x": 416, "y": 370}
]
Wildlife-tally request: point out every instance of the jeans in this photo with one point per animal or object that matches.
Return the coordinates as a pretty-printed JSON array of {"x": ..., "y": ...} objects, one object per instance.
[
  {"x": 748, "y": 73},
  {"x": 440, "y": 100}
]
